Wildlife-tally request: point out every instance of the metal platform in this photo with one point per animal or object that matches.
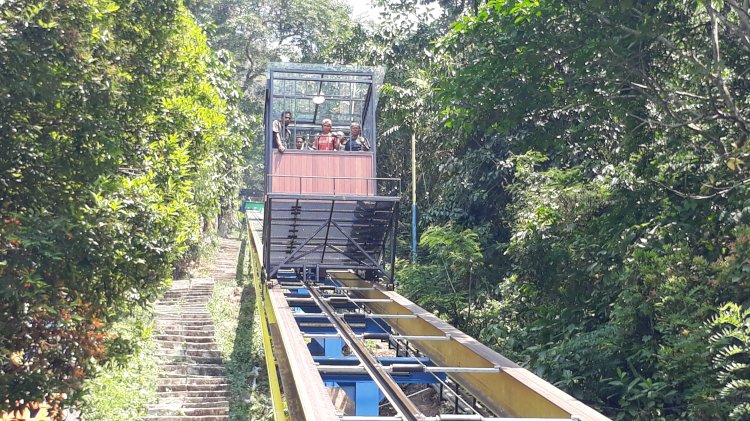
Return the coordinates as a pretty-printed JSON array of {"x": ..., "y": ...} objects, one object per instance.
[
  {"x": 321, "y": 329},
  {"x": 329, "y": 232}
]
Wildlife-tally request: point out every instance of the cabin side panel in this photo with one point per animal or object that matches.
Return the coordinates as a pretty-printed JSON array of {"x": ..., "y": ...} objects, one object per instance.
[{"x": 322, "y": 173}]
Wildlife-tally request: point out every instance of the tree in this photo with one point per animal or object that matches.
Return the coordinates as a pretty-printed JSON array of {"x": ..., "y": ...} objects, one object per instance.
[
  {"x": 122, "y": 139},
  {"x": 445, "y": 280},
  {"x": 597, "y": 149}
]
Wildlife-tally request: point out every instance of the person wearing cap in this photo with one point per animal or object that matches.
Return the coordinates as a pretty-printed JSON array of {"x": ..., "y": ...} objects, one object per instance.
[
  {"x": 356, "y": 142},
  {"x": 326, "y": 141}
]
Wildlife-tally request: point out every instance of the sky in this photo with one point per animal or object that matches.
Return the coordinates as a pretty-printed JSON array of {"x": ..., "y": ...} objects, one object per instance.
[
  {"x": 365, "y": 9},
  {"x": 362, "y": 8}
]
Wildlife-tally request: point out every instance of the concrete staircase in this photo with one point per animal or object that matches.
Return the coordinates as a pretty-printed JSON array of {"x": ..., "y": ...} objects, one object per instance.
[{"x": 193, "y": 384}]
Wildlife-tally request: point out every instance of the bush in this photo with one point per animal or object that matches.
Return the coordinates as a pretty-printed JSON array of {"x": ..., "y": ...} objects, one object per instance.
[
  {"x": 732, "y": 356},
  {"x": 121, "y": 140}
]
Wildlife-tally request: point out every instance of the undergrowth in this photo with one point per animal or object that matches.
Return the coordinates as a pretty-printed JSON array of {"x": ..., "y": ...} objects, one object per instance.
[
  {"x": 239, "y": 339},
  {"x": 122, "y": 388}
]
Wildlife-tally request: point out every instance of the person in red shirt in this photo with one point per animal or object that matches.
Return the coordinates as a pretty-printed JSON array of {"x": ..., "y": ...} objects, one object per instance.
[{"x": 326, "y": 141}]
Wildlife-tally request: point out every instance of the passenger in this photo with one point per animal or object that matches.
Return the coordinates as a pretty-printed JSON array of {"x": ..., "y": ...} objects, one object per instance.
[
  {"x": 339, "y": 136},
  {"x": 326, "y": 141},
  {"x": 356, "y": 142},
  {"x": 301, "y": 144},
  {"x": 281, "y": 135}
]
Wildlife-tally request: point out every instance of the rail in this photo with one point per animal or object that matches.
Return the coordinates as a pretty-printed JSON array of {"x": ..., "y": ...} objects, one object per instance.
[{"x": 340, "y": 311}]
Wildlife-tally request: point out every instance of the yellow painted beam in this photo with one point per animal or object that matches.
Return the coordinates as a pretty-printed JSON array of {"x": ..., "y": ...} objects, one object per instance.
[
  {"x": 261, "y": 303},
  {"x": 512, "y": 391},
  {"x": 306, "y": 395}
]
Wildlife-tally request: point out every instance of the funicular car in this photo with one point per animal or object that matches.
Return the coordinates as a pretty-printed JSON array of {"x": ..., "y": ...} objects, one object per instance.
[{"x": 325, "y": 209}]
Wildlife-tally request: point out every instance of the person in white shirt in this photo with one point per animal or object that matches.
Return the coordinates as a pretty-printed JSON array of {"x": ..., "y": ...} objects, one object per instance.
[{"x": 281, "y": 132}]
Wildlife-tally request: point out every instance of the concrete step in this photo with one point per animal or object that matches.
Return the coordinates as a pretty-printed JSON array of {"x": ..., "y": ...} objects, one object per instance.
[
  {"x": 192, "y": 339},
  {"x": 178, "y": 310},
  {"x": 189, "y": 359},
  {"x": 202, "y": 317},
  {"x": 204, "y": 331},
  {"x": 196, "y": 370},
  {"x": 194, "y": 401},
  {"x": 193, "y": 405},
  {"x": 186, "y": 294},
  {"x": 186, "y": 418},
  {"x": 189, "y": 353},
  {"x": 187, "y": 345},
  {"x": 193, "y": 387},
  {"x": 186, "y": 324},
  {"x": 192, "y": 394},
  {"x": 199, "y": 380},
  {"x": 163, "y": 327},
  {"x": 188, "y": 411}
]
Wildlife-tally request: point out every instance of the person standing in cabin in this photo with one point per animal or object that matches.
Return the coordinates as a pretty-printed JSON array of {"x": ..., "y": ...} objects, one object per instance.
[
  {"x": 326, "y": 141},
  {"x": 356, "y": 142},
  {"x": 281, "y": 132}
]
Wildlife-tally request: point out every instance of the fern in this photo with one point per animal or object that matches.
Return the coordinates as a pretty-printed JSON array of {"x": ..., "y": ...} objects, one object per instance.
[{"x": 731, "y": 337}]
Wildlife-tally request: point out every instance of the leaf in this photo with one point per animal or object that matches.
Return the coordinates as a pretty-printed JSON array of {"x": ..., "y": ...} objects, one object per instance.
[{"x": 734, "y": 163}]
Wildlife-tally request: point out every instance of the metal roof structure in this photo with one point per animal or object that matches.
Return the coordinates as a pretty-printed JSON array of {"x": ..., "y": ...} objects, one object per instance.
[{"x": 348, "y": 94}]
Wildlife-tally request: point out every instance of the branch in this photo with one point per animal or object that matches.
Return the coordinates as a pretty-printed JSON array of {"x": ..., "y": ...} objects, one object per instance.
[
  {"x": 721, "y": 82},
  {"x": 701, "y": 197},
  {"x": 689, "y": 124},
  {"x": 667, "y": 108},
  {"x": 251, "y": 72},
  {"x": 741, "y": 11},
  {"x": 660, "y": 38}
]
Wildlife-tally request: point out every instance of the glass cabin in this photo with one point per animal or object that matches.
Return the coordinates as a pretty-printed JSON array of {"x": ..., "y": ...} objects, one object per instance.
[
  {"x": 313, "y": 93},
  {"x": 326, "y": 209}
]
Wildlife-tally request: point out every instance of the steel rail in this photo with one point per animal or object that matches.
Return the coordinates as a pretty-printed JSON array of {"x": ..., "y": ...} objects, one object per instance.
[
  {"x": 385, "y": 382},
  {"x": 397, "y": 338},
  {"x": 433, "y": 338}
]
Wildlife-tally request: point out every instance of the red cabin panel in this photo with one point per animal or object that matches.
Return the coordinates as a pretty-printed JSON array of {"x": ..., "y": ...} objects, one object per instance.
[{"x": 322, "y": 173}]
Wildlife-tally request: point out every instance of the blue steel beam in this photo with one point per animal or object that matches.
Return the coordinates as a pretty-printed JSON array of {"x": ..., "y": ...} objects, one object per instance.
[
  {"x": 352, "y": 360},
  {"x": 362, "y": 390},
  {"x": 400, "y": 378}
]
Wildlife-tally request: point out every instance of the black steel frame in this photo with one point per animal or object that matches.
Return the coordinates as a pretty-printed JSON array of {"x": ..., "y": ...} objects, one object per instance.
[{"x": 296, "y": 254}]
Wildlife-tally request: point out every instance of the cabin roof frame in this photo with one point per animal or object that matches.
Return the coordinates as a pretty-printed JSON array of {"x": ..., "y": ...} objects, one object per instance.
[{"x": 371, "y": 77}]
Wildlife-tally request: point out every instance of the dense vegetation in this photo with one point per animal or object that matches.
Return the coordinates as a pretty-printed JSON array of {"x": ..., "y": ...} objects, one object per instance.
[
  {"x": 121, "y": 141},
  {"x": 583, "y": 187},
  {"x": 582, "y": 176}
]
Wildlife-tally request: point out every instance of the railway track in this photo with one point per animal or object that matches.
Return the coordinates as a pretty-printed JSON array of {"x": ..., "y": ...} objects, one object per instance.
[{"x": 321, "y": 327}]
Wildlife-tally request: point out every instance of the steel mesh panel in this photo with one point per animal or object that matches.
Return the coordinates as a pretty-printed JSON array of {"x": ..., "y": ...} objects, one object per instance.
[{"x": 346, "y": 233}]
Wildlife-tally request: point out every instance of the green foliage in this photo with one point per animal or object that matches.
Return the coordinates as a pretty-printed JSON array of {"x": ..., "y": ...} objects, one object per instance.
[
  {"x": 598, "y": 149},
  {"x": 445, "y": 279},
  {"x": 732, "y": 357},
  {"x": 121, "y": 143},
  {"x": 121, "y": 389}
]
